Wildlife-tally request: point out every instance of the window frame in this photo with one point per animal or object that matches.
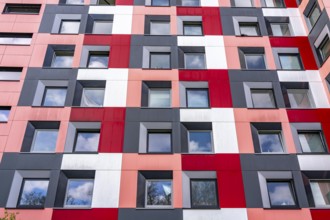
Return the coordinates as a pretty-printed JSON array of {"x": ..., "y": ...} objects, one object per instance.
[
  {"x": 21, "y": 191},
  {"x": 146, "y": 195},
  {"x": 5, "y": 108},
  {"x": 208, "y": 97},
  {"x": 152, "y": 1},
  {"x": 254, "y": 54},
  {"x": 216, "y": 191},
  {"x": 68, "y": 20},
  {"x": 34, "y": 140},
  {"x": 192, "y": 23},
  {"x": 98, "y": 54},
  {"x": 159, "y": 131},
  {"x": 315, "y": 6},
  {"x": 309, "y": 96},
  {"x": 18, "y": 5},
  {"x": 159, "y": 89},
  {"x": 324, "y": 145},
  {"x": 65, "y": 206},
  {"x": 102, "y": 21},
  {"x": 280, "y": 135},
  {"x": 282, "y": 2},
  {"x": 249, "y": 24},
  {"x": 94, "y": 131},
  {"x": 194, "y": 53},
  {"x": 292, "y": 190},
  {"x": 91, "y": 88},
  {"x": 159, "y": 53},
  {"x": 323, "y": 43},
  {"x": 44, "y": 96},
  {"x": 55, "y": 54},
  {"x": 290, "y": 54},
  {"x": 281, "y": 23},
  {"x": 319, "y": 180},
  {"x": 199, "y": 4},
  {"x": 211, "y": 141},
  {"x": 263, "y": 89},
  {"x": 158, "y": 22}
]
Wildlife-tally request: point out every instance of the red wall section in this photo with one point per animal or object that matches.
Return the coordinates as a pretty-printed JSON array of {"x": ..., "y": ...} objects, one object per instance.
[
  {"x": 320, "y": 214},
  {"x": 304, "y": 48},
  {"x": 85, "y": 214},
  {"x": 291, "y": 3},
  {"x": 219, "y": 86},
  {"x": 124, "y": 2},
  {"x": 210, "y": 17}
]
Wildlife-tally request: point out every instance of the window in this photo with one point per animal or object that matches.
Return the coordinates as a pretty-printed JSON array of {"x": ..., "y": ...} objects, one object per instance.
[
  {"x": 98, "y": 59},
  {"x": 160, "y": 3},
  {"x": 249, "y": 29},
  {"x": 159, "y": 98},
  {"x": 255, "y": 61},
  {"x": 160, "y": 60},
  {"x": 15, "y": 38},
  {"x": 314, "y": 14},
  {"x": 79, "y": 193},
  {"x": 200, "y": 141},
  {"x": 158, "y": 193},
  {"x": 299, "y": 98},
  {"x": 62, "y": 59},
  {"x": 275, "y": 3},
  {"x": 270, "y": 141},
  {"x": 74, "y": 2},
  {"x": 33, "y": 193},
  {"x": 44, "y": 140},
  {"x": 204, "y": 193},
  {"x": 197, "y": 98},
  {"x": 92, "y": 97},
  {"x": 105, "y": 2},
  {"x": 10, "y": 73},
  {"x": 263, "y": 98},
  {"x": 280, "y": 29},
  {"x": 321, "y": 192},
  {"x": 54, "y": 96},
  {"x": 102, "y": 27},
  {"x": 245, "y": 3},
  {"x": 311, "y": 141},
  {"x": 192, "y": 28},
  {"x": 87, "y": 141},
  {"x": 194, "y": 60},
  {"x": 324, "y": 48},
  {"x": 4, "y": 114},
  {"x": 190, "y": 2},
  {"x": 290, "y": 61},
  {"x": 69, "y": 26},
  {"x": 159, "y": 28},
  {"x": 22, "y": 9},
  {"x": 281, "y": 194},
  {"x": 159, "y": 142}
]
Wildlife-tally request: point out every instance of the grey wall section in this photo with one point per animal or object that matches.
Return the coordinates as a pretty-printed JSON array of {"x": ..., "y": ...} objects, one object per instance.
[
  {"x": 6, "y": 177},
  {"x": 143, "y": 214}
]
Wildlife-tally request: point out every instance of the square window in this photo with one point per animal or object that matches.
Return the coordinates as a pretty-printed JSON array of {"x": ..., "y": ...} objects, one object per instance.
[
  {"x": 321, "y": 192},
  {"x": 270, "y": 141},
  {"x": 160, "y": 60},
  {"x": 311, "y": 141},
  {"x": 204, "y": 193},
  {"x": 62, "y": 59},
  {"x": 280, "y": 29},
  {"x": 159, "y": 142},
  {"x": 4, "y": 114},
  {"x": 160, "y": 2},
  {"x": 192, "y": 28},
  {"x": 200, "y": 142},
  {"x": 190, "y": 2},
  {"x": 105, "y": 2},
  {"x": 244, "y": 3},
  {"x": 87, "y": 141},
  {"x": 158, "y": 194},
  {"x": 249, "y": 28},
  {"x": 44, "y": 140},
  {"x": 299, "y": 98},
  {"x": 314, "y": 15},
  {"x": 281, "y": 194},
  {"x": 197, "y": 98},
  {"x": 159, "y": 98},
  {"x": 79, "y": 193},
  {"x": 159, "y": 28},
  {"x": 263, "y": 98},
  {"x": 92, "y": 97},
  {"x": 275, "y": 3},
  {"x": 255, "y": 61},
  {"x": 102, "y": 27},
  {"x": 54, "y": 96},
  {"x": 290, "y": 61},
  {"x": 194, "y": 61},
  {"x": 324, "y": 48},
  {"x": 98, "y": 59},
  {"x": 69, "y": 27},
  {"x": 33, "y": 193},
  {"x": 74, "y": 2}
]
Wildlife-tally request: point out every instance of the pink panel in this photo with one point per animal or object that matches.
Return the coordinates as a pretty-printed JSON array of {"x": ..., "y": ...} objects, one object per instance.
[
  {"x": 3, "y": 140},
  {"x": 263, "y": 214},
  {"x": 224, "y": 3},
  {"x": 5, "y": 128},
  {"x": 26, "y": 214},
  {"x": 134, "y": 93},
  {"x": 137, "y": 23},
  {"x": 9, "y": 86},
  {"x": 173, "y": 23},
  {"x": 1, "y": 156},
  {"x": 253, "y": 115},
  {"x": 288, "y": 138},
  {"x": 16, "y": 50},
  {"x": 38, "y": 57},
  {"x": 163, "y": 75},
  {"x": 26, "y": 27},
  {"x": 15, "y": 138},
  {"x": 9, "y": 99},
  {"x": 244, "y": 137},
  {"x": 257, "y": 3},
  {"x": 6, "y": 27},
  {"x": 177, "y": 189},
  {"x": 175, "y": 94},
  {"x": 128, "y": 189},
  {"x": 62, "y": 136},
  {"x": 151, "y": 162},
  {"x": 47, "y": 114},
  {"x": 15, "y": 60}
]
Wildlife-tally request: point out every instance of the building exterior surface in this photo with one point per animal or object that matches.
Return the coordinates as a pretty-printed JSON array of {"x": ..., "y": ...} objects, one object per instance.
[{"x": 165, "y": 109}]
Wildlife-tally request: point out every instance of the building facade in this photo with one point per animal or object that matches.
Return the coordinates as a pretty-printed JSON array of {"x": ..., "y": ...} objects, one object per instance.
[{"x": 165, "y": 109}]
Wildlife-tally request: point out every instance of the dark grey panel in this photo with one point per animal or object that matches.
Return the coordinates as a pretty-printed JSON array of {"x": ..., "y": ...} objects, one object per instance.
[
  {"x": 152, "y": 115},
  {"x": 143, "y": 214},
  {"x": 144, "y": 2},
  {"x": 6, "y": 177},
  {"x": 252, "y": 189}
]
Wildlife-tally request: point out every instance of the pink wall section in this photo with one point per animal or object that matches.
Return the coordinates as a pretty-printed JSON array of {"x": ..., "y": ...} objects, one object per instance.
[
  {"x": 26, "y": 214},
  {"x": 263, "y": 214}
]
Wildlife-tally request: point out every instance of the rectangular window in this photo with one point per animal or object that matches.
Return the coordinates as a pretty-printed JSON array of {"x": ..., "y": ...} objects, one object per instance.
[
  {"x": 106, "y": 2},
  {"x": 197, "y": 98},
  {"x": 102, "y": 27},
  {"x": 92, "y": 97},
  {"x": 190, "y": 2},
  {"x": 87, "y": 141},
  {"x": 159, "y": 142},
  {"x": 54, "y": 96},
  {"x": 160, "y": 2},
  {"x": 22, "y": 9},
  {"x": 194, "y": 61},
  {"x": 192, "y": 28},
  {"x": 244, "y": 3},
  {"x": 15, "y": 39},
  {"x": 255, "y": 61},
  {"x": 314, "y": 14},
  {"x": 159, "y": 98},
  {"x": 204, "y": 193},
  {"x": 69, "y": 26},
  {"x": 290, "y": 61},
  {"x": 4, "y": 114},
  {"x": 98, "y": 59},
  {"x": 324, "y": 48},
  {"x": 311, "y": 141},
  {"x": 275, "y": 3},
  {"x": 281, "y": 194},
  {"x": 249, "y": 28},
  {"x": 158, "y": 193},
  {"x": 62, "y": 59},
  {"x": 159, "y": 28},
  {"x": 33, "y": 193},
  {"x": 200, "y": 141},
  {"x": 44, "y": 140},
  {"x": 280, "y": 29},
  {"x": 270, "y": 141},
  {"x": 74, "y": 2},
  {"x": 79, "y": 193},
  {"x": 299, "y": 98},
  {"x": 263, "y": 98},
  {"x": 321, "y": 192},
  {"x": 160, "y": 60},
  {"x": 10, "y": 73}
]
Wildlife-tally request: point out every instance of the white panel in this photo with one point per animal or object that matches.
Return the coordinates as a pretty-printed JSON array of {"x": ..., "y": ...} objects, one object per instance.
[
  {"x": 103, "y": 74},
  {"x": 297, "y": 26},
  {"x": 319, "y": 95},
  {"x": 122, "y": 24},
  {"x": 128, "y": 10},
  {"x": 91, "y": 161},
  {"x": 115, "y": 94},
  {"x": 314, "y": 162},
  {"x": 209, "y": 3},
  {"x": 216, "y": 58},
  {"x": 212, "y": 41},
  {"x": 224, "y": 136},
  {"x": 223, "y": 214},
  {"x": 106, "y": 189},
  {"x": 284, "y": 12},
  {"x": 207, "y": 115},
  {"x": 299, "y": 76}
]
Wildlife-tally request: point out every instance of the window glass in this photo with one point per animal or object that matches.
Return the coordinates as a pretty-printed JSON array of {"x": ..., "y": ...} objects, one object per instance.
[
  {"x": 280, "y": 29},
  {"x": 62, "y": 59},
  {"x": 311, "y": 142},
  {"x": 87, "y": 141},
  {"x": 280, "y": 193},
  {"x": 22, "y": 9},
  {"x": 275, "y": 3},
  {"x": 263, "y": 98},
  {"x": 160, "y": 3},
  {"x": 98, "y": 59},
  {"x": 197, "y": 98},
  {"x": 321, "y": 192},
  {"x": 159, "y": 142},
  {"x": 105, "y": 2},
  {"x": 15, "y": 39},
  {"x": 79, "y": 193},
  {"x": 192, "y": 28},
  {"x": 270, "y": 142},
  {"x": 314, "y": 14},
  {"x": 158, "y": 193},
  {"x": 194, "y": 60},
  {"x": 10, "y": 73},
  {"x": 69, "y": 27},
  {"x": 244, "y": 3},
  {"x": 102, "y": 27},
  {"x": 160, "y": 98},
  {"x": 325, "y": 48},
  {"x": 44, "y": 140},
  {"x": 200, "y": 141},
  {"x": 299, "y": 98},
  {"x": 190, "y": 2},
  {"x": 249, "y": 29},
  {"x": 92, "y": 97},
  {"x": 160, "y": 60},
  {"x": 54, "y": 96},
  {"x": 204, "y": 194},
  {"x": 290, "y": 61},
  {"x": 33, "y": 193},
  {"x": 4, "y": 114},
  {"x": 74, "y": 2},
  {"x": 159, "y": 28},
  {"x": 255, "y": 61}
]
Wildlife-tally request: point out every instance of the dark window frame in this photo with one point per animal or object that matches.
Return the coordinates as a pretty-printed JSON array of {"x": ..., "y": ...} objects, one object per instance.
[
  {"x": 211, "y": 140},
  {"x": 168, "y": 5},
  {"x": 45, "y": 92},
  {"x": 291, "y": 54},
  {"x": 323, "y": 43},
  {"x": 159, "y": 131},
  {"x": 21, "y": 191},
  {"x": 208, "y": 97},
  {"x": 254, "y": 54},
  {"x": 292, "y": 190},
  {"x": 280, "y": 135},
  {"x": 315, "y": 6},
  {"x": 323, "y": 140},
  {"x": 249, "y": 24},
  {"x": 68, "y": 20},
  {"x": 260, "y": 89},
  {"x": 159, "y": 53},
  {"x": 192, "y": 23},
  {"x": 36, "y": 7},
  {"x": 94, "y": 131},
  {"x": 99, "y": 54},
  {"x": 216, "y": 190},
  {"x": 61, "y": 52}
]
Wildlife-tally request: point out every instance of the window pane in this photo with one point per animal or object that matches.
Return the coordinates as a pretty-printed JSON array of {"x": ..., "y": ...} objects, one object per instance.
[
  {"x": 263, "y": 98},
  {"x": 159, "y": 143},
  {"x": 22, "y": 8},
  {"x": 255, "y": 61},
  {"x": 274, "y": 3},
  {"x": 102, "y": 27},
  {"x": 190, "y": 2},
  {"x": 160, "y": 2},
  {"x": 249, "y": 29},
  {"x": 160, "y": 60},
  {"x": 325, "y": 48},
  {"x": 270, "y": 142},
  {"x": 192, "y": 29},
  {"x": 92, "y": 97},
  {"x": 159, "y": 98},
  {"x": 280, "y": 29},
  {"x": 159, "y": 28},
  {"x": 197, "y": 98},
  {"x": 44, "y": 140},
  {"x": 4, "y": 114},
  {"x": 105, "y": 2},
  {"x": 159, "y": 193},
  {"x": 200, "y": 141},
  {"x": 314, "y": 15},
  {"x": 54, "y": 97},
  {"x": 15, "y": 39},
  {"x": 74, "y": 2},
  {"x": 79, "y": 193},
  {"x": 204, "y": 193},
  {"x": 280, "y": 194},
  {"x": 194, "y": 60},
  {"x": 87, "y": 141},
  {"x": 311, "y": 142},
  {"x": 62, "y": 59},
  {"x": 299, "y": 98},
  {"x": 290, "y": 61},
  {"x": 70, "y": 27},
  {"x": 244, "y": 3},
  {"x": 321, "y": 192},
  {"x": 33, "y": 193},
  {"x": 98, "y": 60}
]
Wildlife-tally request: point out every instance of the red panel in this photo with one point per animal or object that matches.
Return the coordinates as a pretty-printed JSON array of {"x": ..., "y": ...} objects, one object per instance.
[
  {"x": 231, "y": 189},
  {"x": 124, "y": 2},
  {"x": 86, "y": 114},
  {"x": 84, "y": 214},
  {"x": 304, "y": 49},
  {"x": 116, "y": 39},
  {"x": 219, "y": 86},
  {"x": 291, "y": 3},
  {"x": 114, "y": 114},
  {"x": 119, "y": 56},
  {"x": 318, "y": 214},
  {"x": 112, "y": 137}
]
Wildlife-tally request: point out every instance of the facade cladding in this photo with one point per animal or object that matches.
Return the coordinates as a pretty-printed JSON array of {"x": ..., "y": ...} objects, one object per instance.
[{"x": 165, "y": 109}]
